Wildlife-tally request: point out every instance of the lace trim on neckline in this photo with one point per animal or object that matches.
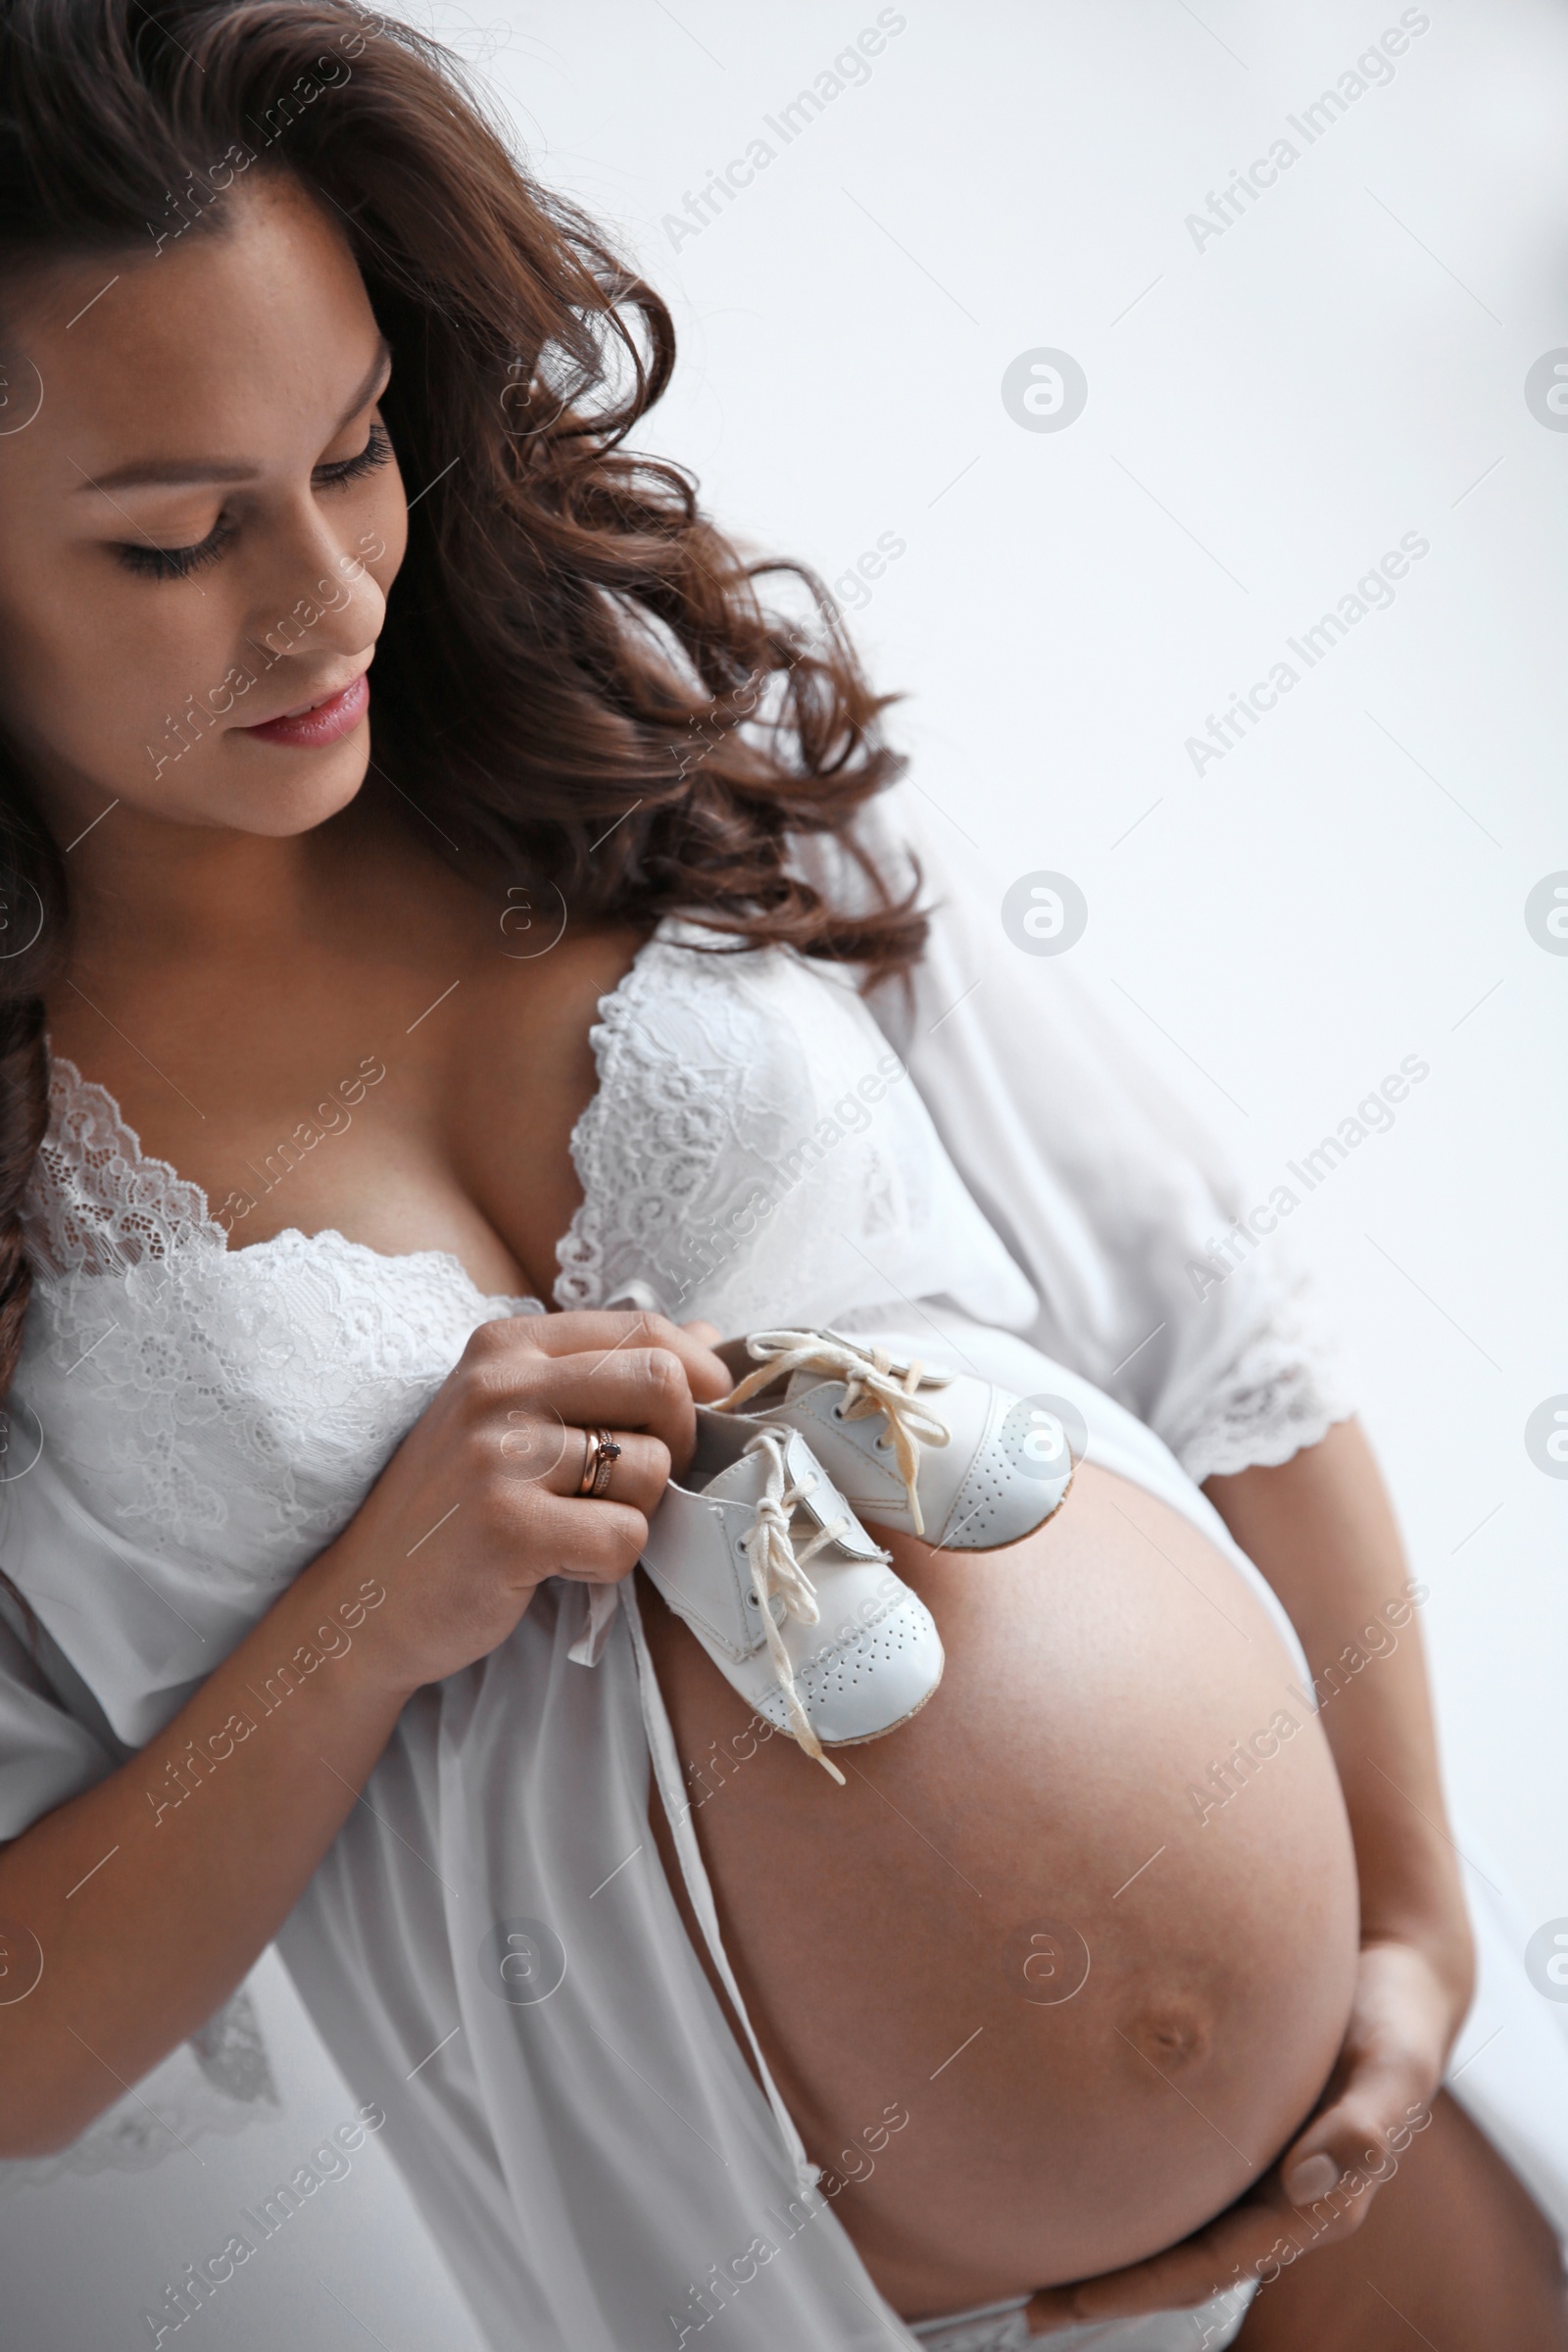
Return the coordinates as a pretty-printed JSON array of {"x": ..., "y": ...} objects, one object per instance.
[
  {"x": 649, "y": 1129},
  {"x": 96, "y": 1198},
  {"x": 97, "y": 1202}
]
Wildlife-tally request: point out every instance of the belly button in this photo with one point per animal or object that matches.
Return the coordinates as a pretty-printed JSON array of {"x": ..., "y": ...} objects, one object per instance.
[{"x": 1172, "y": 2035}]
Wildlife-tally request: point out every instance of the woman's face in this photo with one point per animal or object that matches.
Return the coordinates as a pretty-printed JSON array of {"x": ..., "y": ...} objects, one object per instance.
[{"x": 199, "y": 524}]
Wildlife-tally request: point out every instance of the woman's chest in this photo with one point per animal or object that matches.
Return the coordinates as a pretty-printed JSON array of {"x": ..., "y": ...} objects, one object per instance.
[
  {"x": 751, "y": 1151},
  {"x": 410, "y": 1106}
]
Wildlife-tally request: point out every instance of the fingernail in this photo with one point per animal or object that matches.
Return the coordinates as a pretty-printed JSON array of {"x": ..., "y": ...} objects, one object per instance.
[{"x": 1313, "y": 2177}]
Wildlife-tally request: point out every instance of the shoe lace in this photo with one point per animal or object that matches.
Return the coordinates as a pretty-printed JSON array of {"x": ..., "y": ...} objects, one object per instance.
[
  {"x": 778, "y": 1567},
  {"x": 870, "y": 1386}
]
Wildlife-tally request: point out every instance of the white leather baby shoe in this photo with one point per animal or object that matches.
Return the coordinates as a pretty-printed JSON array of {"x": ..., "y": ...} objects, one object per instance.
[
  {"x": 835, "y": 1657},
  {"x": 933, "y": 1452}
]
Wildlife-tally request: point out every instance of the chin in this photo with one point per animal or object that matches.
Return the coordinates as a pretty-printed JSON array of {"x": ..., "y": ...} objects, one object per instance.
[{"x": 289, "y": 792}]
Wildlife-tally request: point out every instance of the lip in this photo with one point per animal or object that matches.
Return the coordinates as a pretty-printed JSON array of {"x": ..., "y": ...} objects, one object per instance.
[{"x": 323, "y": 723}]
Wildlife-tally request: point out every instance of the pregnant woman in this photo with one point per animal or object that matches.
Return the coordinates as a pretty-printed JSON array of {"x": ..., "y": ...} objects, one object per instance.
[{"x": 1110, "y": 1995}]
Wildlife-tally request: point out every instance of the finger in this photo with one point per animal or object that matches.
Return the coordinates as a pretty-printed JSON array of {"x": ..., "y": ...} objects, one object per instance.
[
  {"x": 1050, "y": 2310},
  {"x": 560, "y": 1456},
  {"x": 591, "y": 1543},
  {"x": 1338, "y": 2165},
  {"x": 659, "y": 1355},
  {"x": 1382, "y": 2090},
  {"x": 621, "y": 1387},
  {"x": 1238, "y": 2245},
  {"x": 637, "y": 1387},
  {"x": 1254, "y": 2239},
  {"x": 640, "y": 1474},
  {"x": 603, "y": 1334},
  {"x": 621, "y": 1384}
]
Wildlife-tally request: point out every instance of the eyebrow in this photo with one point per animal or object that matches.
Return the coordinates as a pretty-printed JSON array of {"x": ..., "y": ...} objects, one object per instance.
[{"x": 176, "y": 471}]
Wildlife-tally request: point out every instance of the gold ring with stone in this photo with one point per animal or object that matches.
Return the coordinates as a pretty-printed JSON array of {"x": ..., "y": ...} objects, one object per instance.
[{"x": 600, "y": 1454}]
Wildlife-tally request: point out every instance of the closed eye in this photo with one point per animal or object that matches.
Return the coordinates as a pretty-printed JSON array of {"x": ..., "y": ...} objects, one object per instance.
[
  {"x": 178, "y": 562},
  {"x": 376, "y": 453},
  {"x": 175, "y": 562}
]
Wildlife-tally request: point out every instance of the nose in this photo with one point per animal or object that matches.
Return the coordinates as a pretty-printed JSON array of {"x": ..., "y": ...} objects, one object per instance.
[{"x": 319, "y": 596}]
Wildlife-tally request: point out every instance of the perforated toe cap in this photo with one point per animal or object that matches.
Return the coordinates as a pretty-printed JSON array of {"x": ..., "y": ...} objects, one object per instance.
[{"x": 870, "y": 1680}]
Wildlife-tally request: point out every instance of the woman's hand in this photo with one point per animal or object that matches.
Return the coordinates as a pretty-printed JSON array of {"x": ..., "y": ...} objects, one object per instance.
[
  {"x": 1403, "y": 2020},
  {"x": 481, "y": 1500}
]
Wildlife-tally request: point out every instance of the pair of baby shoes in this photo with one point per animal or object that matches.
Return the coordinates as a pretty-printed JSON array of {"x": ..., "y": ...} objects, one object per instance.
[{"x": 827, "y": 1430}]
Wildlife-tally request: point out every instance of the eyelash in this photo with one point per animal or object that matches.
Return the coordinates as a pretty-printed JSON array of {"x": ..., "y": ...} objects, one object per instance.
[{"x": 178, "y": 562}]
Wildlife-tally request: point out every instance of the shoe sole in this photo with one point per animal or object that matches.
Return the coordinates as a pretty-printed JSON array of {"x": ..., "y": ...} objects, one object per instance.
[
  {"x": 867, "y": 1520},
  {"x": 956, "y": 1550},
  {"x": 866, "y": 1739}
]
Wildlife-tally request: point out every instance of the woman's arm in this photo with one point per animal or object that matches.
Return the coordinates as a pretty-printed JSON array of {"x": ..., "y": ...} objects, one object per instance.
[
  {"x": 1322, "y": 1529},
  {"x": 147, "y": 1906},
  {"x": 149, "y": 1896}
]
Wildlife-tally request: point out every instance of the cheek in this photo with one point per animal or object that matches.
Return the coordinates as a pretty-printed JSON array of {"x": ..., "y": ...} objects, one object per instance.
[{"x": 97, "y": 663}]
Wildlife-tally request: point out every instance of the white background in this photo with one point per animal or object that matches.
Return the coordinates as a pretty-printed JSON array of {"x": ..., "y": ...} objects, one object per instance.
[{"x": 1266, "y": 417}]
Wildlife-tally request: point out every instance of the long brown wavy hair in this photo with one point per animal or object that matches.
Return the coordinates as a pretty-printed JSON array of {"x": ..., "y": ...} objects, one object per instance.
[{"x": 578, "y": 677}]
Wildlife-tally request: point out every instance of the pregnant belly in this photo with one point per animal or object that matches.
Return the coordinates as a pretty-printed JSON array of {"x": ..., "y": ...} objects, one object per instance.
[{"x": 1055, "y": 1978}]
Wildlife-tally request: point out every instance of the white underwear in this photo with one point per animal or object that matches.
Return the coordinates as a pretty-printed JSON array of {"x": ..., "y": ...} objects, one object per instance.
[{"x": 1001, "y": 2327}]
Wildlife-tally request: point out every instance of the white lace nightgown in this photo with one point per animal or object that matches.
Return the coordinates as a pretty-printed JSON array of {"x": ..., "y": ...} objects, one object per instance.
[{"x": 191, "y": 1424}]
